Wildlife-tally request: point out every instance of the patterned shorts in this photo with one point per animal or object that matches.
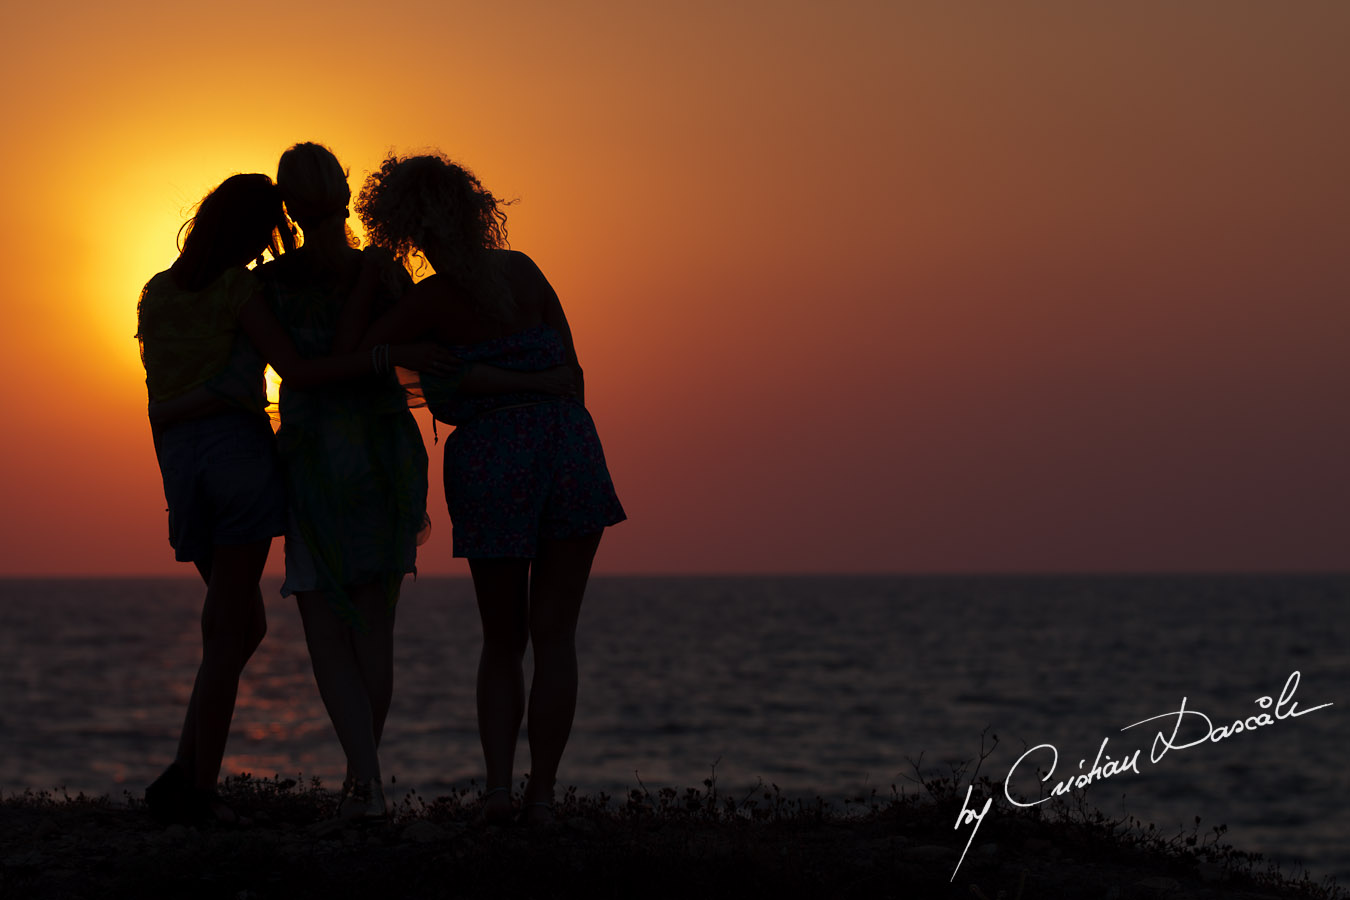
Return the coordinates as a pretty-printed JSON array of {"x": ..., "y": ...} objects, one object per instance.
[{"x": 519, "y": 474}]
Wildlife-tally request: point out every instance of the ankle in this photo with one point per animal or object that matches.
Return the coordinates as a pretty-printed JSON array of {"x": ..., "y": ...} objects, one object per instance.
[
  {"x": 537, "y": 793},
  {"x": 536, "y": 813},
  {"x": 364, "y": 800}
]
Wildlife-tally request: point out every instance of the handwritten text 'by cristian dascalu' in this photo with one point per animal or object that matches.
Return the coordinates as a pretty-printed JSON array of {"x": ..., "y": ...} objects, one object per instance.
[{"x": 1103, "y": 767}]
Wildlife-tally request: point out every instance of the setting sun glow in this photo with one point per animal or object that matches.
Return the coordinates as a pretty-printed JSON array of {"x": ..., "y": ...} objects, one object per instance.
[{"x": 863, "y": 287}]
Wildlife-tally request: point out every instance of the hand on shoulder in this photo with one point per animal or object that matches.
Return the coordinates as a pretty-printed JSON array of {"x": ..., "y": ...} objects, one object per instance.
[{"x": 379, "y": 265}]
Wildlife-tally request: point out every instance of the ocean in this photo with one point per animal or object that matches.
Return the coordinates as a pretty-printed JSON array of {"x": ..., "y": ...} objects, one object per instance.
[{"x": 825, "y": 686}]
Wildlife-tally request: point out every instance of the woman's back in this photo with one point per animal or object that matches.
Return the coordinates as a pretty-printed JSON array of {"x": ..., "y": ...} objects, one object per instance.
[
  {"x": 354, "y": 459},
  {"x": 308, "y": 301},
  {"x": 462, "y": 320},
  {"x": 192, "y": 338}
]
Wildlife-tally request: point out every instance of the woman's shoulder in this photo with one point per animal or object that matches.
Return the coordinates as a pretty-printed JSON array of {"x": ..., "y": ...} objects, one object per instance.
[
  {"x": 167, "y": 308},
  {"x": 158, "y": 284},
  {"x": 279, "y": 269},
  {"x": 303, "y": 264},
  {"x": 431, "y": 286},
  {"x": 230, "y": 284},
  {"x": 529, "y": 288},
  {"x": 438, "y": 293},
  {"x": 386, "y": 264},
  {"x": 516, "y": 264},
  {"x": 238, "y": 278},
  {"x": 155, "y": 297},
  {"x": 231, "y": 290}
]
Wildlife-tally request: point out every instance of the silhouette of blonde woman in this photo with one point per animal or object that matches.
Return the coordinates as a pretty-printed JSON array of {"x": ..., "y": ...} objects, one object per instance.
[
  {"x": 525, "y": 476},
  {"x": 356, "y": 474}
]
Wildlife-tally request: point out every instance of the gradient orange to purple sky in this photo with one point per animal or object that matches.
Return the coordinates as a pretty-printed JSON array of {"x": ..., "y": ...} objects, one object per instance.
[{"x": 859, "y": 287}]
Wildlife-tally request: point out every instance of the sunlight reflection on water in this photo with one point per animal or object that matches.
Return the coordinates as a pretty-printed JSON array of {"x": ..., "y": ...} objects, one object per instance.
[{"x": 826, "y": 685}]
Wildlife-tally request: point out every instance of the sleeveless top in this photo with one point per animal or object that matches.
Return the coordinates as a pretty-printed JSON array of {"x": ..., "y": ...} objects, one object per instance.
[
  {"x": 531, "y": 350},
  {"x": 192, "y": 339}
]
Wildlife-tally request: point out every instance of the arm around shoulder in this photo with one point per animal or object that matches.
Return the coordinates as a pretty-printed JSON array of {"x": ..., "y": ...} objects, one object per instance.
[{"x": 270, "y": 338}]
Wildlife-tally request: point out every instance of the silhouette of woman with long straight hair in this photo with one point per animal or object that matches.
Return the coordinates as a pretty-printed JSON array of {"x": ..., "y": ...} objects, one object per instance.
[
  {"x": 205, "y": 331},
  {"x": 525, "y": 476}
]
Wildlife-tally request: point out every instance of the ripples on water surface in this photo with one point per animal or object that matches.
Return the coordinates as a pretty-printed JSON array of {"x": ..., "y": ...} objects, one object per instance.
[{"x": 822, "y": 685}]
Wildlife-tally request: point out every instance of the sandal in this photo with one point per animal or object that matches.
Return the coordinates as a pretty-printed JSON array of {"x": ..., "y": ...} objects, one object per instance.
[
  {"x": 498, "y": 816},
  {"x": 364, "y": 802},
  {"x": 347, "y": 784}
]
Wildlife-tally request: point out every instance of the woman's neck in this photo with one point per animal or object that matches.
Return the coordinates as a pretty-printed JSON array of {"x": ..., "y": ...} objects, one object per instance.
[{"x": 329, "y": 232}]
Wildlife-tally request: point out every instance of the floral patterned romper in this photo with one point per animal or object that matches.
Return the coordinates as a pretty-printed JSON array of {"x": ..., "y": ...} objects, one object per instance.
[{"x": 520, "y": 467}]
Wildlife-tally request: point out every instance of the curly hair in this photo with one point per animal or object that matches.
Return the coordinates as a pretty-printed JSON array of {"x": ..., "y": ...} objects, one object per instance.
[{"x": 415, "y": 203}]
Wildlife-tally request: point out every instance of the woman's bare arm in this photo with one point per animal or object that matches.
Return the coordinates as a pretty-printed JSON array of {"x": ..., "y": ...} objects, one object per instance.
[
  {"x": 414, "y": 318},
  {"x": 550, "y": 309},
  {"x": 272, "y": 341},
  {"x": 269, "y": 337}
]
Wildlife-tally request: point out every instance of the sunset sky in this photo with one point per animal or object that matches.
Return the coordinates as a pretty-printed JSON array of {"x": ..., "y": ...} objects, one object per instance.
[{"x": 862, "y": 286}]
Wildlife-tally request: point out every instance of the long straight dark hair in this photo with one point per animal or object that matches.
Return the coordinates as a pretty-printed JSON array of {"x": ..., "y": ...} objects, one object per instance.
[{"x": 233, "y": 224}]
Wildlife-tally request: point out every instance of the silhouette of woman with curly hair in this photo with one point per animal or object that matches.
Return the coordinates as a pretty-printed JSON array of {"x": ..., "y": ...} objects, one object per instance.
[{"x": 525, "y": 476}]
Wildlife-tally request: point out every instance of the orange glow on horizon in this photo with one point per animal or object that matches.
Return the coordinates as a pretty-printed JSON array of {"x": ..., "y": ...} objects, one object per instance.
[{"x": 987, "y": 291}]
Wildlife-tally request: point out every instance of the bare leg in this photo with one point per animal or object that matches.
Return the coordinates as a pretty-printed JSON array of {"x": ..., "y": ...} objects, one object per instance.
[
  {"x": 503, "y": 599},
  {"x": 342, "y": 682},
  {"x": 557, "y": 583},
  {"x": 233, "y": 625},
  {"x": 374, "y": 650},
  {"x": 187, "y": 741}
]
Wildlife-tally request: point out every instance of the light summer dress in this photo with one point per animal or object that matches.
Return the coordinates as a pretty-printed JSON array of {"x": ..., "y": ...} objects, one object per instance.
[{"x": 355, "y": 464}]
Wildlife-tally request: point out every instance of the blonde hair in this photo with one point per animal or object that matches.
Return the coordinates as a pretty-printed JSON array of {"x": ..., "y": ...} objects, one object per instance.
[
  {"x": 314, "y": 187},
  {"x": 416, "y": 202}
]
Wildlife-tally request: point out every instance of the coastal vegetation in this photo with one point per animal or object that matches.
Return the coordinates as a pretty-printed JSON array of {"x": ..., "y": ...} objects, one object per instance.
[{"x": 698, "y": 842}]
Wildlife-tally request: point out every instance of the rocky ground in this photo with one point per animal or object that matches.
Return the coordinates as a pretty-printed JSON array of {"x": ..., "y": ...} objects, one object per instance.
[{"x": 694, "y": 844}]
